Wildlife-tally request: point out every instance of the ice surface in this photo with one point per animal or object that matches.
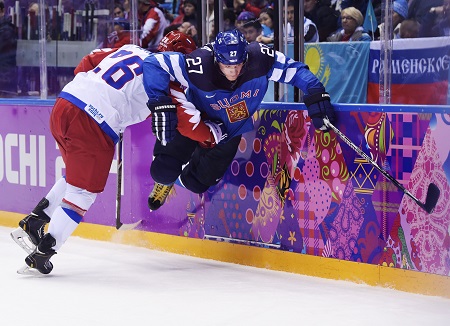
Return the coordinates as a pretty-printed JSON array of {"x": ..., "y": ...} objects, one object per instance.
[{"x": 102, "y": 283}]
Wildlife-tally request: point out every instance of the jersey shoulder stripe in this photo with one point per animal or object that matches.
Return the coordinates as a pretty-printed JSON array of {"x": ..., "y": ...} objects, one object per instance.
[{"x": 260, "y": 61}]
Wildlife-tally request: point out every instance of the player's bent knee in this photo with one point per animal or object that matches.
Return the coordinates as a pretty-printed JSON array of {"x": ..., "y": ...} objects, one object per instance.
[
  {"x": 79, "y": 198},
  {"x": 165, "y": 169}
]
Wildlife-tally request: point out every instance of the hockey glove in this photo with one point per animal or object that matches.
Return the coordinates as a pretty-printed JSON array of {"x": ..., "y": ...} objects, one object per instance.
[
  {"x": 218, "y": 133},
  {"x": 164, "y": 118},
  {"x": 319, "y": 107}
]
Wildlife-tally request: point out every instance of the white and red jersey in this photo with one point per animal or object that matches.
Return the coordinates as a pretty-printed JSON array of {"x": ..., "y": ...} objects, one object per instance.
[
  {"x": 108, "y": 86},
  {"x": 153, "y": 26}
]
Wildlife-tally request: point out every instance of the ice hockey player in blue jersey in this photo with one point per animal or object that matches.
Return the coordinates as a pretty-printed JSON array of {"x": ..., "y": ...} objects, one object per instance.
[{"x": 221, "y": 85}]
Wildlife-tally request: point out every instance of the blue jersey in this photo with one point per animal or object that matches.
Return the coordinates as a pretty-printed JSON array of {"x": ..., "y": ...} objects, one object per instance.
[{"x": 209, "y": 92}]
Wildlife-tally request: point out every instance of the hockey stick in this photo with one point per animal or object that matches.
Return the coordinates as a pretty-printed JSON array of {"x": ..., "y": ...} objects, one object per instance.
[
  {"x": 119, "y": 225},
  {"x": 433, "y": 191}
]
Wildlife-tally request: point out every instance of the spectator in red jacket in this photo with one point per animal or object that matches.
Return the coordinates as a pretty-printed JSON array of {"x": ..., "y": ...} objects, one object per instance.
[
  {"x": 121, "y": 34},
  {"x": 153, "y": 23}
]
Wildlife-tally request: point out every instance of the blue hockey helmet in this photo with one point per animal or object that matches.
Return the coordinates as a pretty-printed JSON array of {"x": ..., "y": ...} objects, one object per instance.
[{"x": 230, "y": 47}]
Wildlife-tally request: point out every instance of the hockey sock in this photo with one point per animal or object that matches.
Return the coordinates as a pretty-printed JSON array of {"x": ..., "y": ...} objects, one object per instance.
[
  {"x": 62, "y": 224},
  {"x": 55, "y": 196},
  {"x": 69, "y": 214}
]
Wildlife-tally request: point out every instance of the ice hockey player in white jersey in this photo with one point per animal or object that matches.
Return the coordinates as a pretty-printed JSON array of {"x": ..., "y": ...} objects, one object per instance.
[{"x": 106, "y": 96}]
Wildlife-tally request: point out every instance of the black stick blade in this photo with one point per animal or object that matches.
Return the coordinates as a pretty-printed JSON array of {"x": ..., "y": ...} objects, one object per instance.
[{"x": 432, "y": 198}]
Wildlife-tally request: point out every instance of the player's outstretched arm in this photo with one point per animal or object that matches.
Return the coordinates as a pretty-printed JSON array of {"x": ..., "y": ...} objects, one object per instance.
[{"x": 317, "y": 100}]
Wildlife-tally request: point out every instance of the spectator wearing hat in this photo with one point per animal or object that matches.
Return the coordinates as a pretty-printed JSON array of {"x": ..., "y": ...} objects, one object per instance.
[
  {"x": 400, "y": 13},
  {"x": 401, "y": 8},
  {"x": 352, "y": 30},
  {"x": 121, "y": 34},
  {"x": 244, "y": 17}
]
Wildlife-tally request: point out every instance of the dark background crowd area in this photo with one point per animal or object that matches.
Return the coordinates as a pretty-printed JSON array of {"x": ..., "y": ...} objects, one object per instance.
[{"x": 325, "y": 20}]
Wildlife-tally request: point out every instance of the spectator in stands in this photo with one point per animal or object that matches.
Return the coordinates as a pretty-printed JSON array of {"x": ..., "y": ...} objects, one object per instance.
[
  {"x": 266, "y": 19},
  {"x": 309, "y": 28},
  {"x": 400, "y": 12},
  {"x": 34, "y": 7},
  {"x": 418, "y": 9},
  {"x": 210, "y": 20},
  {"x": 8, "y": 49},
  {"x": 189, "y": 13},
  {"x": 190, "y": 30},
  {"x": 229, "y": 21},
  {"x": 409, "y": 28},
  {"x": 252, "y": 29},
  {"x": 33, "y": 24},
  {"x": 323, "y": 16},
  {"x": 184, "y": 28},
  {"x": 119, "y": 11},
  {"x": 153, "y": 23},
  {"x": 126, "y": 8},
  {"x": 121, "y": 34},
  {"x": 437, "y": 21},
  {"x": 254, "y": 6},
  {"x": 244, "y": 17},
  {"x": 352, "y": 30},
  {"x": 178, "y": 7}
]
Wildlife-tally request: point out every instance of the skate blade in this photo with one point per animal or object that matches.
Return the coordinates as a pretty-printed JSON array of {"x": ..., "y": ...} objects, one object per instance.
[
  {"x": 21, "y": 238},
  {"x": 126, "y": 227},
  {"x": 27, "y": 270}
]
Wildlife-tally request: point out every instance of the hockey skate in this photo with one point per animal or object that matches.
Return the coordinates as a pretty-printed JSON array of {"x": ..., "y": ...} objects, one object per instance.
[
  {"x": 158, "y": 195},
  {"x": 38, "y": 262},
  {"x": 31, "y": 229}
]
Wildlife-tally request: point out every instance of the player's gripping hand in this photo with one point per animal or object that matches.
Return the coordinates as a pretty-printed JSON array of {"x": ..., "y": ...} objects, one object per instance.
[
  {"x": 319, "y": 107},
  {"x": 164, "y": 118},
  {"x": 217, "y": 134}
]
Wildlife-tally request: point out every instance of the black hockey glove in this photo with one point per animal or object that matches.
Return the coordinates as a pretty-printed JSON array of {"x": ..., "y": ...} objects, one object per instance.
[
  {"x": 319, "y": 107},
  {"x": 164, "y": 118},
  {"x": 218, "y": 133}
]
